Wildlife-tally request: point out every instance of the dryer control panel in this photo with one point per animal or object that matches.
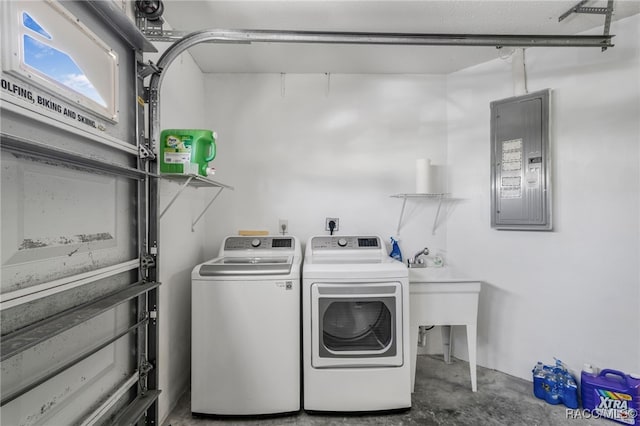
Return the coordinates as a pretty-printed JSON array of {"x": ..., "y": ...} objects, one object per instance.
[
  {"x": 259, "y": 243},
  {"x": 346, "y": 242}
]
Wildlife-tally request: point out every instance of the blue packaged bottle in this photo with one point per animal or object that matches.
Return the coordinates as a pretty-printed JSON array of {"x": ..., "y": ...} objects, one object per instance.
[
  {"x": 395, "y": 250},
  {"x": 539, "y": 374}
]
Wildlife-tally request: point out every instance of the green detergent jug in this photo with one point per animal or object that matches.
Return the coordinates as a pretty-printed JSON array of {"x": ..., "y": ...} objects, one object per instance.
[{"x": 187, "y": 151}]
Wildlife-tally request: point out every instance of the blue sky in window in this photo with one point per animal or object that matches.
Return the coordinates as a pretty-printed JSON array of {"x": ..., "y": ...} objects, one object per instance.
[
  {"x": 56, "y": 64},
  {"x": 30, "y": 23}
]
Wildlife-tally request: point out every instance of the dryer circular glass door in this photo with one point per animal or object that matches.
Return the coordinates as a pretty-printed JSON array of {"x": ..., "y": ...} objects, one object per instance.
[{"x": 356, "y": 324}]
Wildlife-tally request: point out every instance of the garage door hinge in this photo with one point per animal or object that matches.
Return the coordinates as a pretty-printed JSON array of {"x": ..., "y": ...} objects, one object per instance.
[
  {"x": 145, "y": 153},
  {"x": 147, "y": 261}
]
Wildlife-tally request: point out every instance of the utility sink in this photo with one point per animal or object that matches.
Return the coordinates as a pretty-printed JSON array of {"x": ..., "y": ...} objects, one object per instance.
[{"x": 443, "y": 296}]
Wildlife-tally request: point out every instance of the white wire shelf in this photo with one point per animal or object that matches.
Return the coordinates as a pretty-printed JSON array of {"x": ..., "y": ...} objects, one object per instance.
[
  {"x": 195, "y": 181},
  {"x": 416, "y": 196}
]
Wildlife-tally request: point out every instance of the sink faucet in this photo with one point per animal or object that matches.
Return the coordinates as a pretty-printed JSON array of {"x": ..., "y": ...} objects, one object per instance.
[{"x": 417, "y": 261}]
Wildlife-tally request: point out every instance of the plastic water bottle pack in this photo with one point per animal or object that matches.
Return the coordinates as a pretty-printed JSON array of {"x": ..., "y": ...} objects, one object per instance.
[{"x": 555, "y": 384}]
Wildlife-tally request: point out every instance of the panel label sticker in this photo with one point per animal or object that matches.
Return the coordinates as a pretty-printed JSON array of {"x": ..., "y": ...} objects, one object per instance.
[{"x": 511, "y": 177}]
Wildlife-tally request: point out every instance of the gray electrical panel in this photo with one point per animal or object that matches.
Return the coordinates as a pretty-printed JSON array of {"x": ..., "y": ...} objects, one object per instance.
[{"x": 520, "y": 163}]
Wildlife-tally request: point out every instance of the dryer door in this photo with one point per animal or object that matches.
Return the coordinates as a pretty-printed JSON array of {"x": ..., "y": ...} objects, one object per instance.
[{"x": 356, "y": 324}]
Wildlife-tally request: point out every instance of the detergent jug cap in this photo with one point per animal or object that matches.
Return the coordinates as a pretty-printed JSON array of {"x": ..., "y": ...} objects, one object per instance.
[{"x": 587, "y": 368}]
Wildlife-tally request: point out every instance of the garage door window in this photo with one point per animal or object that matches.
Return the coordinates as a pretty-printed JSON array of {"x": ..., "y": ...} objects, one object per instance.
[{"x": 54, "y": 49}]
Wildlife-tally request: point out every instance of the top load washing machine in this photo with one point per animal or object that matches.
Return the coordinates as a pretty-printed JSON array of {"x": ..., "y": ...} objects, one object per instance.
[
  {"x": 355, "y": 326},
  {"x": 245, "y": 356}
]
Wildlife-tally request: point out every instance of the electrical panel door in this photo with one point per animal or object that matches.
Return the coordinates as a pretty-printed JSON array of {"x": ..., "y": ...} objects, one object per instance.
[{"x": 520, "y": 163}]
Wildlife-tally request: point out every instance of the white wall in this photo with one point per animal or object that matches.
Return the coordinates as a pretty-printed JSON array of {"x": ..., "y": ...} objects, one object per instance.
[
  {"x": 182, "y": 106},
  {"x": 304, "y": 147},
  {"x": 572, "y": 293}
]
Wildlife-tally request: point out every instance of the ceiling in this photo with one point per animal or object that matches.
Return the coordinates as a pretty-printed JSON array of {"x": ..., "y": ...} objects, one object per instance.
[{"x": 417, "y": 16}]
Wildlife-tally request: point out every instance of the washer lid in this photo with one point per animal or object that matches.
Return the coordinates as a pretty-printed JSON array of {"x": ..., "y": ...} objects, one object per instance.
[{"x": 225, "y": 266}]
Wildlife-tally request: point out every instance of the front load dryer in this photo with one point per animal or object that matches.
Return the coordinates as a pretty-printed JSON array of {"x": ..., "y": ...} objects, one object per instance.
[
  {"x": 245, "y": 356},
  {"x": 355, "y": 326}
]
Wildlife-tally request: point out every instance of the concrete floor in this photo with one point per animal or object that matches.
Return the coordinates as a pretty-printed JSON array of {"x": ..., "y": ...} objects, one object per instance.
[{"x": 442, "y": 397}]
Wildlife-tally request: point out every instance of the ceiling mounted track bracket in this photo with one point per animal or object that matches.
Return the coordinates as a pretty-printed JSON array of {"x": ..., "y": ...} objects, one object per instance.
[
  {"x": 581, "y": 8},
  {"x": 160, "y": 34}
]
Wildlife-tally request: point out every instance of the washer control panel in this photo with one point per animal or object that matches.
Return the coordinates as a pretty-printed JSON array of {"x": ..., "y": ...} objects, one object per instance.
[
  {"x": 345, "y": 242},
  {"x": 259, "y": 243}
]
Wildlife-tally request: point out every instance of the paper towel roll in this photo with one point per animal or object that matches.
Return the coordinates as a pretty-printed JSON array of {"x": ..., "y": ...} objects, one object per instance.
[{"x": 423, "y": 176}]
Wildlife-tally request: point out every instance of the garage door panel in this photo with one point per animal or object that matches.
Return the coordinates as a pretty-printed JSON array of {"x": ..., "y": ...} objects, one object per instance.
[
  {"x": 75, "y": 309},
  {"x": 58, "y": 222},
  {"x": 55, "y": 132},
  {"x": 72, "y": 395},
  {"x": 51, "y": 354},
  {"x": 17, "y": 317}
]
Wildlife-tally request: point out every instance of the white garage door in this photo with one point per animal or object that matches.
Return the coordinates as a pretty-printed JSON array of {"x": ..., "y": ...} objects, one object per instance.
[{"x": 77, "y": 308}]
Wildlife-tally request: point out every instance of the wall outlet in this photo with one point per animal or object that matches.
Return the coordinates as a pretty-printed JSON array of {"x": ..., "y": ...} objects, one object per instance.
[
  {"x": 328, "y": 220},
  {"x": 283, "y": 226}
]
